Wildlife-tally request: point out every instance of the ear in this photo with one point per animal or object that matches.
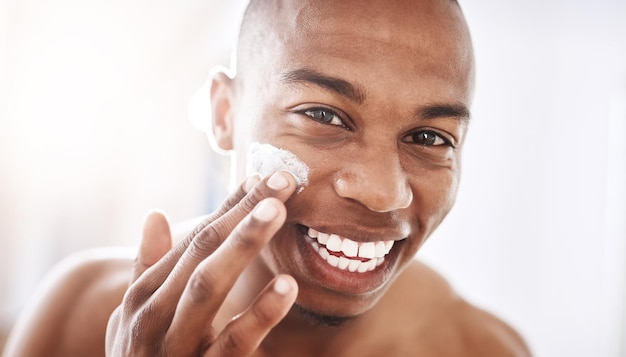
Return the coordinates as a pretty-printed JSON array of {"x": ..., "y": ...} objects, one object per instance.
[{"x": 222, "y": 123}]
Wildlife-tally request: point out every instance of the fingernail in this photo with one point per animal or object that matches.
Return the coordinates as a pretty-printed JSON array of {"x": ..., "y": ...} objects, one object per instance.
[
  {"x": 282, "y": 286},
  {"x": 250, "y": 182},
  {"x": 265, "y": 211},
  {"x": 277, "y": 181}
]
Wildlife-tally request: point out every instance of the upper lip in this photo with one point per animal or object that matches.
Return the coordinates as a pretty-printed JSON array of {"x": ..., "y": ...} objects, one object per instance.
[{"x": 359, "y": 233}]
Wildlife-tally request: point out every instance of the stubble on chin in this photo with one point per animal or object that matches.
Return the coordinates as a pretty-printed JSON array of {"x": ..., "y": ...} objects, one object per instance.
[{"x": 317, "y": 319}]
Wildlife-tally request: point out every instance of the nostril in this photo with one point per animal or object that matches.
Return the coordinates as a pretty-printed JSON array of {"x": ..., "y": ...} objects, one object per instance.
[
  {"x": 400, "y": 200},
  {"x": 374, "y": 194}
]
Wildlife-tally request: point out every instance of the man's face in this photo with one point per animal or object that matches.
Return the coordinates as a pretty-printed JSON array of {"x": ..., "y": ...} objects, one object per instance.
[{"x": 373, "y": 98}]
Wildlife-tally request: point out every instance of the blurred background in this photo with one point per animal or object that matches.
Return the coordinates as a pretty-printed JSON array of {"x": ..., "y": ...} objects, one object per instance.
[{"x": 94, "y": 132}]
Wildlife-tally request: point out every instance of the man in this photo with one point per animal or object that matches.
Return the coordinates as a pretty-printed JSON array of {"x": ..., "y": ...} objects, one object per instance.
[{"x": 373, "y": 98}]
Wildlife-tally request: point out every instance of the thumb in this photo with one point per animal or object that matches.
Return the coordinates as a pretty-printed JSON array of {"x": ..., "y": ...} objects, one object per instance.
[{"x": 156, "y": 241}]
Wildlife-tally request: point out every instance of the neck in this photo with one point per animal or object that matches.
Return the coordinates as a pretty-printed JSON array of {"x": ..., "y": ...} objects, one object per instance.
[{"x": 296, "y": 334}]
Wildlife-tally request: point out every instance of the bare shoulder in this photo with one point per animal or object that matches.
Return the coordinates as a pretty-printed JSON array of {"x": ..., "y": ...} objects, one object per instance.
[
  {"x": 452, "y": 326},
  {"x": 69, "y": 312},
  {"x": 487, "y": 335}
]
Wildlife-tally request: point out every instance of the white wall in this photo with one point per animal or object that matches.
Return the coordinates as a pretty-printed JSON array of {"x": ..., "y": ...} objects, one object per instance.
[
  {"x": 94, "y": 132},
  {"x": 94, "y": 129}
]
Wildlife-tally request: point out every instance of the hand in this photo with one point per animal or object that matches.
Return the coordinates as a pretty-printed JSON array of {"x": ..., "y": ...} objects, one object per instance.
[{"x": 169, "y": 307}]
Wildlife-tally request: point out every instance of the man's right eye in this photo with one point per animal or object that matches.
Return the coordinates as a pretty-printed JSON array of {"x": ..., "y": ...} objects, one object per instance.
[{"x": 324, "y": 116}]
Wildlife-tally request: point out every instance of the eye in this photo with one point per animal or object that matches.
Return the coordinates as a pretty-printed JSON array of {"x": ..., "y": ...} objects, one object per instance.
[
  {"x": 428, "y": 138},
  {"x": 324, "y": 116}
]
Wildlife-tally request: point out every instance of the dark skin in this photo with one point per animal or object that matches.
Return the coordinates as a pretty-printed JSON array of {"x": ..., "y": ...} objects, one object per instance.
[{"x": 375, "y": 99}]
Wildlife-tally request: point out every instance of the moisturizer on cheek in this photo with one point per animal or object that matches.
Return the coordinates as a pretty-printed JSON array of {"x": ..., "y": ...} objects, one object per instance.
[{"x": 265, "y": 159}]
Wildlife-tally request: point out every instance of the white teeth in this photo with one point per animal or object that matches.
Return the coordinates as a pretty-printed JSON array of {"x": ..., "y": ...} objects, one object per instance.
[
  {"x": 354, "y": 264},
  {"x": 372, "y": 264},
  {"x": 343, "y": 263},
  {"x": 334, "y": 243},
  {"x": 367, "y": 250},
  {"x": 372, "y": 253},
  {"x": 333, "y": 260},
  {"x": 388, "y": 246},
  {"x": 324, "y": 253},
  {"x": 363, "y": 267},
  {"x": 380, "y": 249},
  {"x": 349, "y": 247}
]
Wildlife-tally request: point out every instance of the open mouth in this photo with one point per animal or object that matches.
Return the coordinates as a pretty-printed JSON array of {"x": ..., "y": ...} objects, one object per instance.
[{"x": 346, "y": 254}]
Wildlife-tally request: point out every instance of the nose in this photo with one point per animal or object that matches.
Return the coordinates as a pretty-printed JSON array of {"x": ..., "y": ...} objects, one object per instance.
[{"x": 377, "y": 181}]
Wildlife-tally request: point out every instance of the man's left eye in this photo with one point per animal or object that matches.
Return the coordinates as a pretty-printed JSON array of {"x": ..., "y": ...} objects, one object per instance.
[
  {"x": 324, "y": 116},
  {"x": 429, "y": 138}
]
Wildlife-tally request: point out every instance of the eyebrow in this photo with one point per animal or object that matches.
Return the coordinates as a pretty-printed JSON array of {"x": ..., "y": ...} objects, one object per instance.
[
  {"x": 337, "y": 85},
  {"x": 355, "y": 94},
  {"x": 456, "y": 110}
]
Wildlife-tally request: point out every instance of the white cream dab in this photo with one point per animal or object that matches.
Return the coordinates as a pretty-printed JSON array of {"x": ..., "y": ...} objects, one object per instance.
[{"x": 266, "y": 159}]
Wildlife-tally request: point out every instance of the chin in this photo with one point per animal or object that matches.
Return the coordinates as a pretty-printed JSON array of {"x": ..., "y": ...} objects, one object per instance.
[{"x": 325, "y": 302}]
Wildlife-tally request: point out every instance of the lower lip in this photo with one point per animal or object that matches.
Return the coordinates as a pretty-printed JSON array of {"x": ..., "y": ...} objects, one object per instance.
[{"x": 343, "y": 281}]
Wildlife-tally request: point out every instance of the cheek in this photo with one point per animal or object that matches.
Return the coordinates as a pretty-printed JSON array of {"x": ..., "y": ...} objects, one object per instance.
[
  {"x": 448, "y": 187},
  {"x": 434, "y": 198},
  {"x": 274, "y": 255}
]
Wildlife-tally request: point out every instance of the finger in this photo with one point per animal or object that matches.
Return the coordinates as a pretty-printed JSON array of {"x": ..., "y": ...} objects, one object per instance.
[
  {"x": 280, "y": 185},
  {"x": 243, "y": 335},
  {"x": 230, "y": 202},
  {"x": 156, "y": 241},
  {"x": 148, "y": 283},
  {"x": 214, "y": 277},
  {"x": 168, "y": 277}
]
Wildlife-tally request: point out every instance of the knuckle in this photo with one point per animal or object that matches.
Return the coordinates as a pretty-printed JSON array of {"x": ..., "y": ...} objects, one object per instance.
[
  {"x": 201, "y": 286},
  {"x": 137, "y": 327},
  {"x": 265, "y": 315},
  {"x": 150, "y": 320},
  {"x": 245, "y": 240},
  {"x": 204, "y": 344},
  {"x": 134, "y": 297},
  {"x": 199, "y": 228},
  {"x": 205, "y": 243},
  {"x": 252, "y": 199},
  {"x": 221, "y": 230},
  {"x": 233, "y": 342},
  {"x": 222, "y": 227}
]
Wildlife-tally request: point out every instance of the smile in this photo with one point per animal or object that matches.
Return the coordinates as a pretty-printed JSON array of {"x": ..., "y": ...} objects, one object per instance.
[{"x": 346, "y": 254}]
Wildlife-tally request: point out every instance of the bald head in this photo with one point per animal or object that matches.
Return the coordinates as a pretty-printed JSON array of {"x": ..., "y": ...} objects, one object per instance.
[{"x": 269, "y": 26}]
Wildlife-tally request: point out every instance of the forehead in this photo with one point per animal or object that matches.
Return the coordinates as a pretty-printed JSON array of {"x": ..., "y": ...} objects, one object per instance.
[
  {"x": 413, "y": 24},
  {"x": 382, "y": 42}
]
